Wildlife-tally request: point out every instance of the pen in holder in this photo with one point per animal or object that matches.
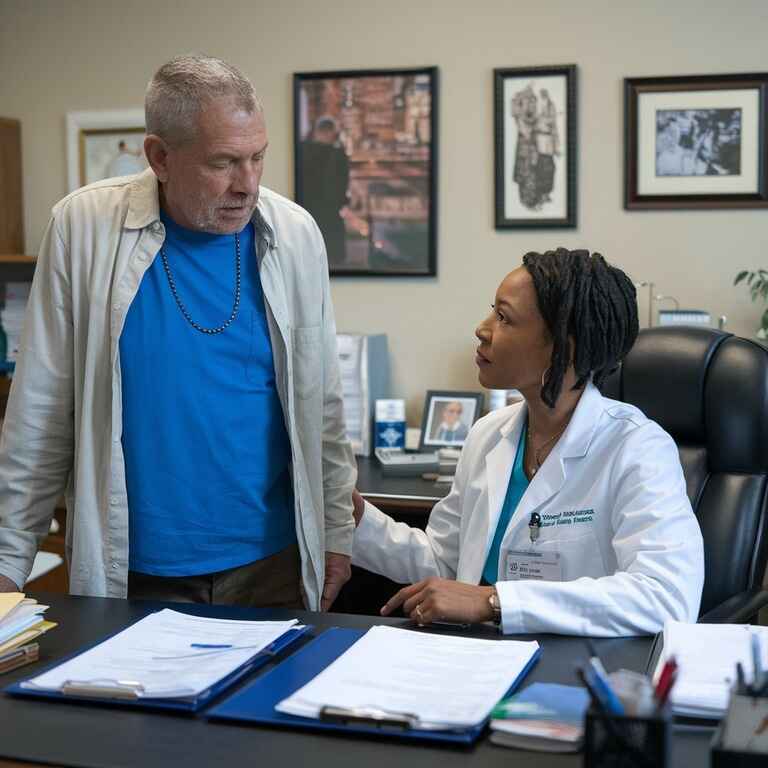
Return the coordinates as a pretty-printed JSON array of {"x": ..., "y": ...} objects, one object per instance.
[{"x": 627, "y": 741}]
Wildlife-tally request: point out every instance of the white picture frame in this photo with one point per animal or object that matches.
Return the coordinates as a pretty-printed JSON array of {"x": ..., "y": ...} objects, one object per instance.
[{"x": 94, "y": 141}]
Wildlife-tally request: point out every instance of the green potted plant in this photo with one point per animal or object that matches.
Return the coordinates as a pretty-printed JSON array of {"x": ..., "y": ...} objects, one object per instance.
[{"x": 757, "y": 282}]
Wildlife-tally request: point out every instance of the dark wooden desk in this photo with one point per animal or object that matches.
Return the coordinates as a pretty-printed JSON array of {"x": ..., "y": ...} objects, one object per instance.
[
  {"x": 57, "y": 733},
  {"x": 410, "y": 497}
]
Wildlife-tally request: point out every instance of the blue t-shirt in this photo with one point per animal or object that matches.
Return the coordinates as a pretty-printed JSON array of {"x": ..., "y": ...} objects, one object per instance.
[
  {"x": 207, "y": 455},
  {"x": 518, "y": 483}
]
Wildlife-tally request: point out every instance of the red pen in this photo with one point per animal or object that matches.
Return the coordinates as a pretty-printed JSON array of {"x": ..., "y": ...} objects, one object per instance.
[{"x": 666, "y": 681}]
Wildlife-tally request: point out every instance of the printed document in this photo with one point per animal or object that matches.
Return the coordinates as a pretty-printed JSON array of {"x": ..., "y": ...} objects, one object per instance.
[
  {"x": 445, "y": 682},
  {"x": 706, "y": 655},
  {"x": 166, "y": 655}
]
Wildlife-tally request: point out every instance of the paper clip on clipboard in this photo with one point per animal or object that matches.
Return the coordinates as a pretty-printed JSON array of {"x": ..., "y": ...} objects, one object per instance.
[
  {"x": 103, "y": 689},
  {"x": 378, "y": 718},
  {"x": 133, "y": 690},
  {"x": 132, "y": 693}
]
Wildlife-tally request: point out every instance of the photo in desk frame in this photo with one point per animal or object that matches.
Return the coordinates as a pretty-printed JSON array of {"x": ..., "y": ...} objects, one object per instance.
[
  {"x": 365, "y": 162},
  {"x": 448, "y": 417}
]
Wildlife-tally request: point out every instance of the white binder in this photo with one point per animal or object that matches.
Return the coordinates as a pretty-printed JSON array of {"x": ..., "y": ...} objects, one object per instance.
[{"x": 364, "y": 363}]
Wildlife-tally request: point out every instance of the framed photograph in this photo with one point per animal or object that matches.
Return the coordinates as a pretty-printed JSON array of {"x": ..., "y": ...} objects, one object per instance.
[
  {"x": 365, "y": 146},
  {"x": 448, "y": 417},
  {"x": 535, "y": 141},
  {"x": 104, "y": 144},
  {"x": 696, "y": 142}
]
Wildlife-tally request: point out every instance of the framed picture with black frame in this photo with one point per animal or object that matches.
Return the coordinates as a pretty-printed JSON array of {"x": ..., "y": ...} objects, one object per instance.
[
  {"x": 535, "y": 143},
  {"x": 448, "y": 417},
  {"x": 696, "y": 141},
  {"x": 365, "y": 148}
]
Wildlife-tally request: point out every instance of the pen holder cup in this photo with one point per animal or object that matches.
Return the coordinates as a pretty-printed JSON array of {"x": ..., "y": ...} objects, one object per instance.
[
  {"x": 624, "y": 741},
  {"x": 726, "y": 758},
  {"x": 744, "y": 732}
]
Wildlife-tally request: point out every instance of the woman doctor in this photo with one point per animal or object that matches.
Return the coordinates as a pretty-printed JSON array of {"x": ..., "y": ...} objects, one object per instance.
[{"x": 568, "y": 512}]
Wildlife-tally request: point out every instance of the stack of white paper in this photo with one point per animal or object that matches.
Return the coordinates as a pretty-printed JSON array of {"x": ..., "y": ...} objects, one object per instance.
[
  {"x": 707, "y": 655},
  {"x": 12, "y": 315},
  {"x": 444, "y": 682},
  {"x": 166, "y": 655}
]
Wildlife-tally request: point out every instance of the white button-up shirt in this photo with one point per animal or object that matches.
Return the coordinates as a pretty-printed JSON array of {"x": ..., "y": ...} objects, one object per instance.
[{"x": 63, "y": 423}]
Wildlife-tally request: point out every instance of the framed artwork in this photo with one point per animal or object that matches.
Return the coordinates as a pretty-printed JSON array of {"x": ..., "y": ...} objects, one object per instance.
[
  {"x": 448, "y": 417},
  {"x": 696, "y": 142},
  {"x": 535, "y": 143},
  {"x": 104, "y": 144},
  {"x": 365, "y": 148}
]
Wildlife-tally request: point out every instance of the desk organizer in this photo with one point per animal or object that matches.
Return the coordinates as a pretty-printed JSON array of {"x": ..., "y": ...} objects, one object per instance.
[{"x": 622, "y": 741}]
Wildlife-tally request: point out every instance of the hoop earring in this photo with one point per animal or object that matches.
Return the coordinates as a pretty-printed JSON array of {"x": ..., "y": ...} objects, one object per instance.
[{"x": 544, "y": 375}]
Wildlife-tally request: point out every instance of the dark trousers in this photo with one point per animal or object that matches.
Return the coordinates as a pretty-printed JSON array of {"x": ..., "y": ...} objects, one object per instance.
[{"x": 273, "y": 582}]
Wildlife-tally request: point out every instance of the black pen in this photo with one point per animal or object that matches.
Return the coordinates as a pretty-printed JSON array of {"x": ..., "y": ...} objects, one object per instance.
[{"x": 741, "y": 686}]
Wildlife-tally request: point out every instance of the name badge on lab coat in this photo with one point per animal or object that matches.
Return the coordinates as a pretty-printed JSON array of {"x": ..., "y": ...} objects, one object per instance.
[{"x": 533, "y": 565}]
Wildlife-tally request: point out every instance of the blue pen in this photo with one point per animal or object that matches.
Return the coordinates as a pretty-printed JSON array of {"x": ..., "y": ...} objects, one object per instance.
[
  {"x": 588, "y": 679},
  {"x": 602, "y": 687},
  {"x": 208, "y": 645}
]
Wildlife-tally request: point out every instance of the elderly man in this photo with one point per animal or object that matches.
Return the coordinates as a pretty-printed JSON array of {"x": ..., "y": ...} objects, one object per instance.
[
  {"x": 451, "y": 428},
  {"x": 179, "y": 377}
]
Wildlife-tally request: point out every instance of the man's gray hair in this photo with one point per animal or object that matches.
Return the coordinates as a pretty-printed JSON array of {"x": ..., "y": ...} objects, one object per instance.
[{"x": 180, "y": 89}]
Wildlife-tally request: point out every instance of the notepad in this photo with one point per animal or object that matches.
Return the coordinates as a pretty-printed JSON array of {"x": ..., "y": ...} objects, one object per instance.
[
  {"x": 166, "y": 655},
  {"x": 707, "y": 655},
  {"x": 545, "y": 717},
  {"x": 434, "y": 682}
]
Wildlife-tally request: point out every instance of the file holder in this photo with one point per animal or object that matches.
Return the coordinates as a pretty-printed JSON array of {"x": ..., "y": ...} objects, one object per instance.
[
  {"x": 752, "y": 713},
  {"x": 129, "y": 693},
  {"x": 255, "y": 702},
  {"x": 721, "y": 757},
  {"x": 624, "y": 741}
]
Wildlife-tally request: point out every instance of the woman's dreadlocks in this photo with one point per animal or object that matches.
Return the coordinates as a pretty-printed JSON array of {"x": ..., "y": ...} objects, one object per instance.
[{"x": 590, "y": 309}]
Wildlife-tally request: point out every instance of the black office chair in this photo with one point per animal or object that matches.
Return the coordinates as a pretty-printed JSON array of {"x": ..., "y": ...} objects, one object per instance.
[{"x": 709, "y": 390}]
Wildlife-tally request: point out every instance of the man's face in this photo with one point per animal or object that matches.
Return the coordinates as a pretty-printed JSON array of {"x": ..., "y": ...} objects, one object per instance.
[
  {"x": 452, "y": 413},
  {"x": 325, "y": 135},
  {"x": 211, "y": 183}
]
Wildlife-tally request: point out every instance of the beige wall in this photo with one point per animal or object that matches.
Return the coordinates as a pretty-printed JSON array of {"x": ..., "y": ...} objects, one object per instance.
[{"x": 57, "y": 56}]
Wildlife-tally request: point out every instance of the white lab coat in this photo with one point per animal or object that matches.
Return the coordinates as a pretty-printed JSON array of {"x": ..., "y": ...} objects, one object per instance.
[{"x": 634, "y": 559}]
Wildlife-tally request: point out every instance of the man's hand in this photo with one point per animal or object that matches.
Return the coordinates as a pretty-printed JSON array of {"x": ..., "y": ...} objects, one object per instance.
[
  {"x": 436, "y": 599},
  {"x": 358, "y": 506},
  {"x": 338, "y": 571},
  {"x": 6, "y": 585}
]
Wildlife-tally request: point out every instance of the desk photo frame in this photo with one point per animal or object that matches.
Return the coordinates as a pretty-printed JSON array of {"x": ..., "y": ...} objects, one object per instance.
[{"x": 448, "y": 417}]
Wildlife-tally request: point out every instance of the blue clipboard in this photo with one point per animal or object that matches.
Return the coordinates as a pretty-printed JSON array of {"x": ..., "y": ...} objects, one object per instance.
[
  {"x": 189, "y": 705},
  {"x": 255, "y": 702}
]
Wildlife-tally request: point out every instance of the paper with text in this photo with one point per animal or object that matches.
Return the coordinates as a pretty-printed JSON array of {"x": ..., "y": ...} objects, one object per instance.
[
  {"x": 447, "y": 682},
  {"x": 156, "y": 655}
]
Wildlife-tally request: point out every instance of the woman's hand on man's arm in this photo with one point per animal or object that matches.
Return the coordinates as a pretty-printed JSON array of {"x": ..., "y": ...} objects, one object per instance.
[{"x": 358, "y": 506}]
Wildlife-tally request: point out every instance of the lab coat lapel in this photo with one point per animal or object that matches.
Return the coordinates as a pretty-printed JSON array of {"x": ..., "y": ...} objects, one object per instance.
[
  {"x": 498, "y": 468},
  {"x": 553, "y": 473}
]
